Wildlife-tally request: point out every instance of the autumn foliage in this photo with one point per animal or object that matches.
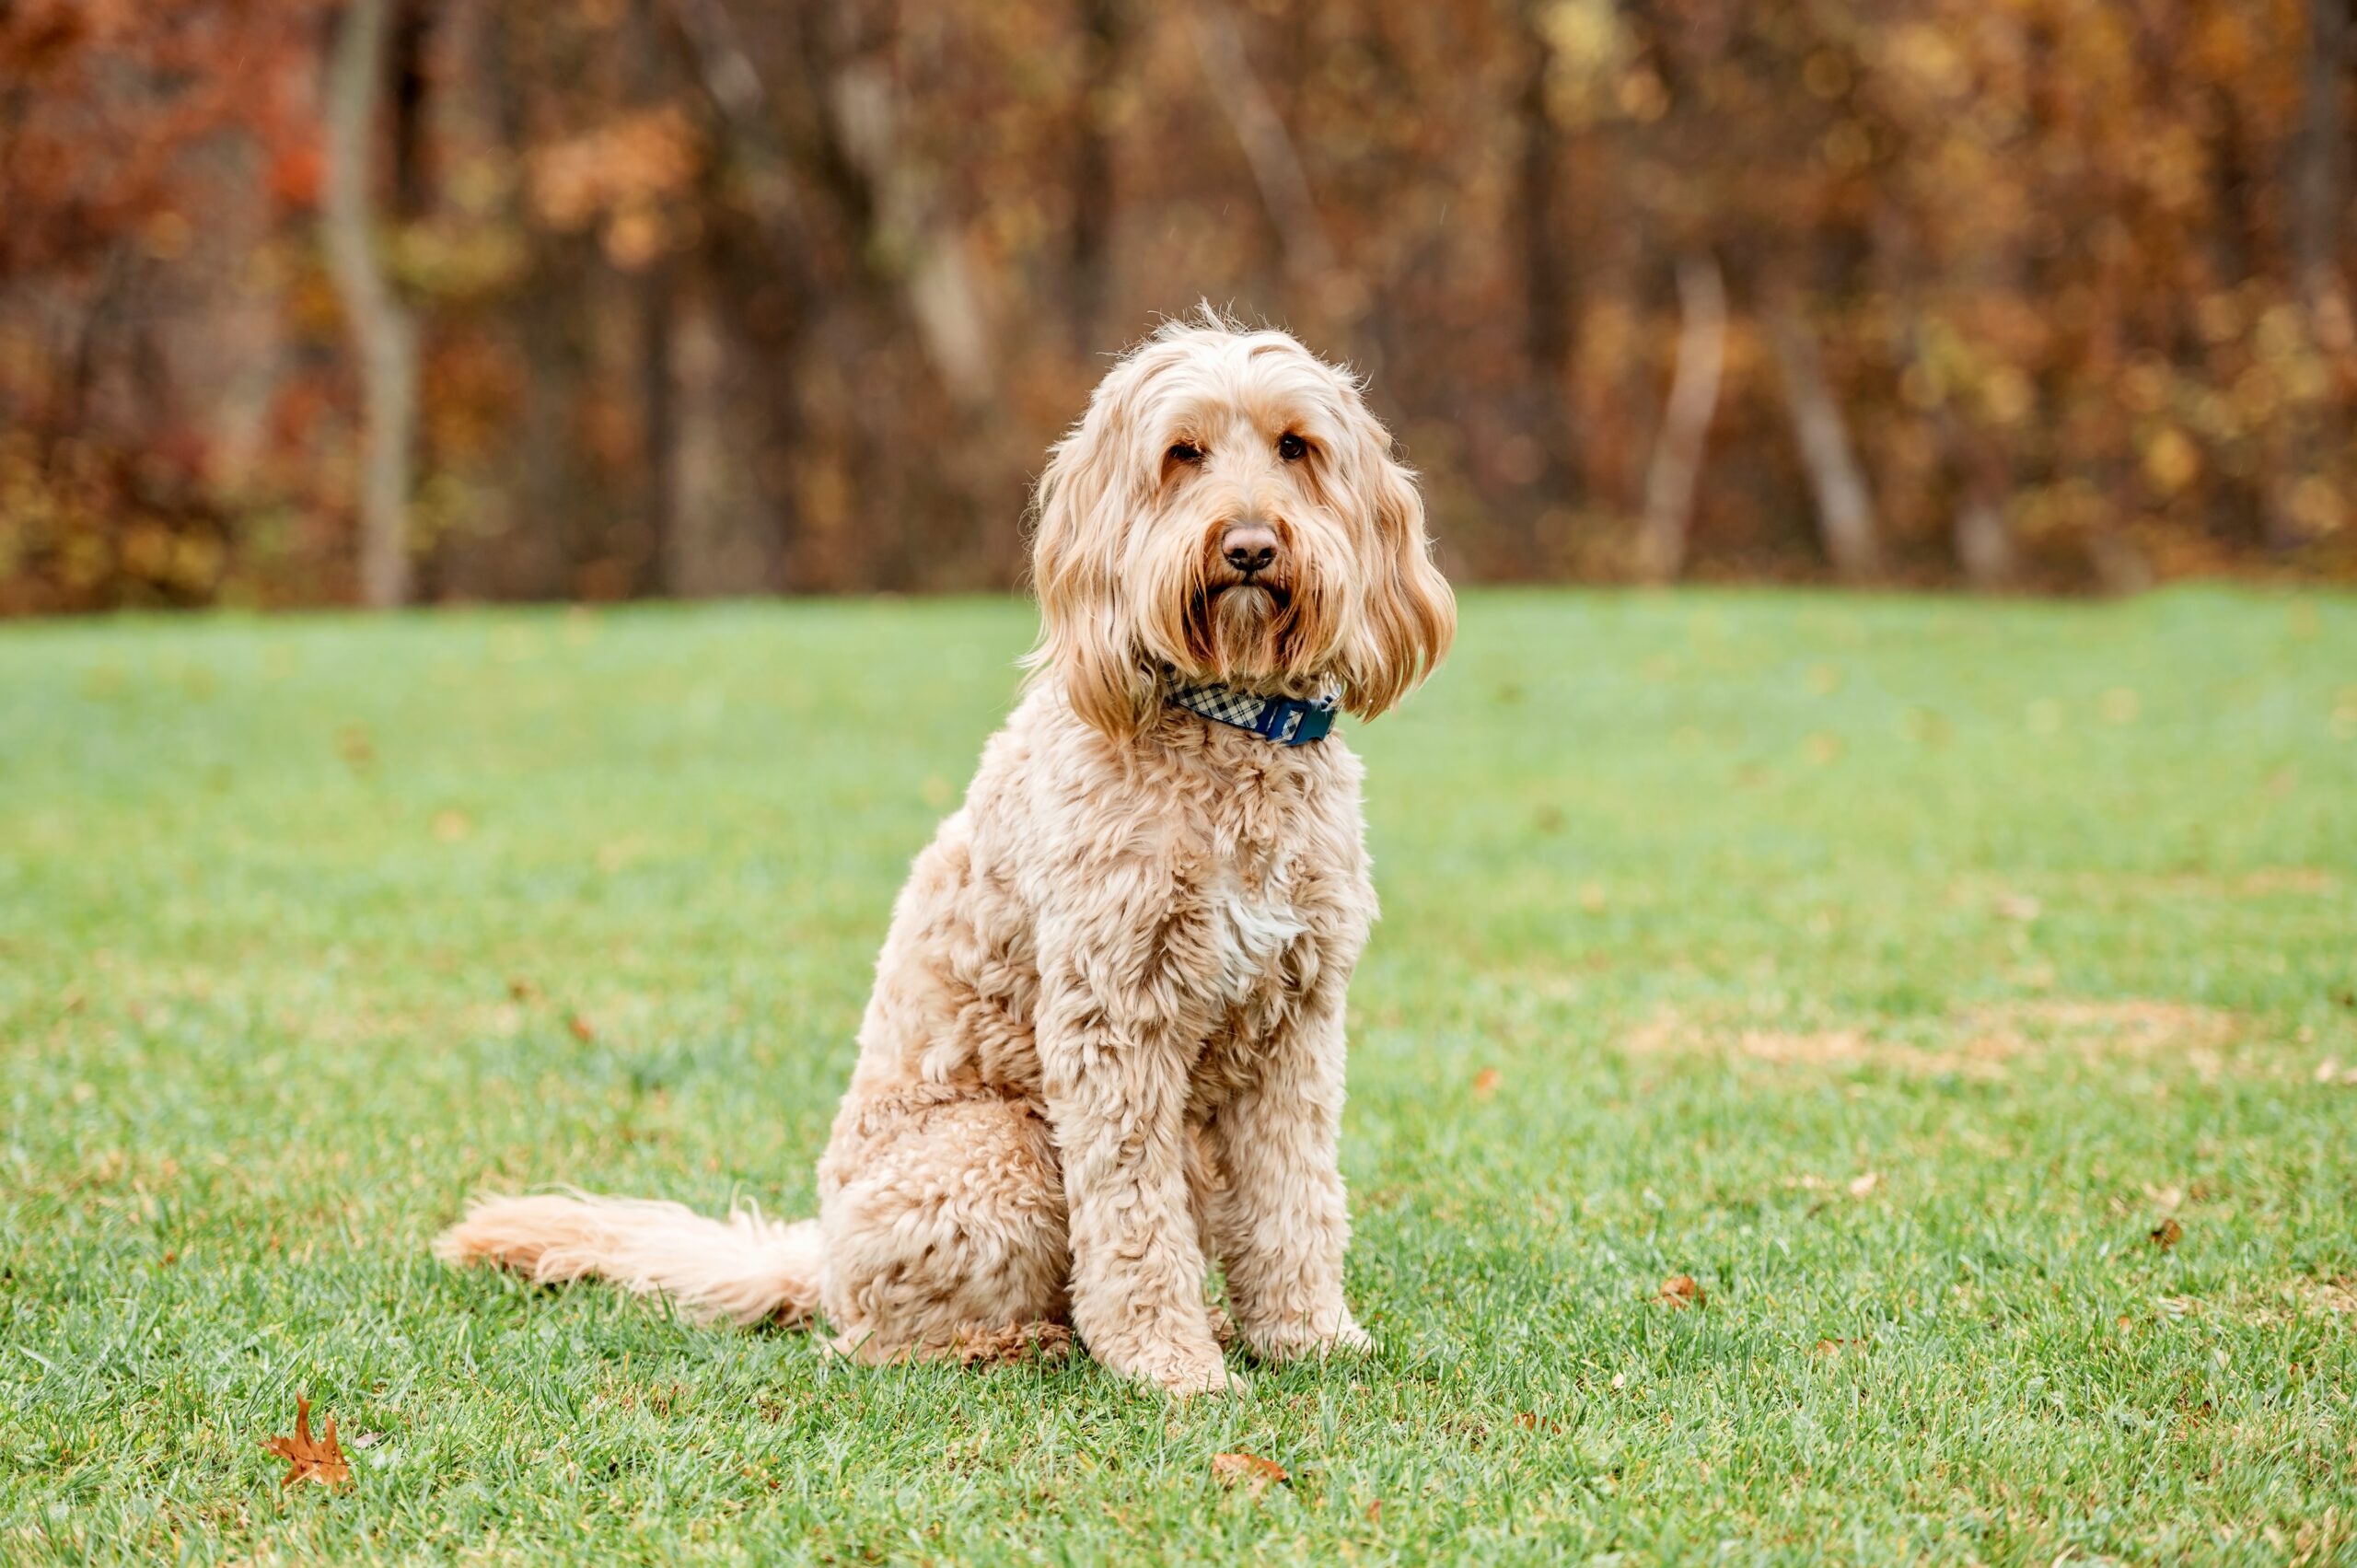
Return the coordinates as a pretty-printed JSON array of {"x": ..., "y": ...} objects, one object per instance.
[{"x": 711, "y": 298}]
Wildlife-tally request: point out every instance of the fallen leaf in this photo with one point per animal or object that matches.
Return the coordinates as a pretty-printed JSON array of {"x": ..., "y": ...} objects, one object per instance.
[
  {"x": 1680, "y": 1292},
  {"x": 1374, "y": 1512},
  {"x": 1835, "y": 1347},
  {"x": 2168, "y": 1234},
  {"x": 308, "y": 1458},
  {"x": 359, "y": 752},
  {"x": 1485, "y": 1082},
  {"x": 1529, "y": 1421},
  {"x": 521, "y": 990},
  {"x": 1862, "y": 1186},
  {"x": 1250, "y": 1472},
  {"x": 580, "y": 1028}
]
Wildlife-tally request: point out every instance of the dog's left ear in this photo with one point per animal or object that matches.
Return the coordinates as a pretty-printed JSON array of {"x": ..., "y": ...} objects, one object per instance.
[{"x": 1410, "y": 613}]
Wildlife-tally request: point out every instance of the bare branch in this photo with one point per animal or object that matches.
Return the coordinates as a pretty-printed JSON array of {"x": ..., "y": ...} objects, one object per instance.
[
  {"x": 1268, "y": 147},
  {"x": 384, "y": 333},
  {"x": 1686, "y": 421}
]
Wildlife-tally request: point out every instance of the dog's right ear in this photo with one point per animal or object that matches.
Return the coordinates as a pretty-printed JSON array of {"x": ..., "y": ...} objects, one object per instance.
[{"x": 1080, "y": 519}]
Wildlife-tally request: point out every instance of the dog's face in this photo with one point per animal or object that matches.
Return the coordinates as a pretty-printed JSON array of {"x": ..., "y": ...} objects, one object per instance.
[{"x": 1228, "y": 508}]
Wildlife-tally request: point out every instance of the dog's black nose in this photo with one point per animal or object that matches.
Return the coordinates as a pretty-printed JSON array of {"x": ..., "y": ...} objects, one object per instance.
[{"x": 1250, "y": 547}]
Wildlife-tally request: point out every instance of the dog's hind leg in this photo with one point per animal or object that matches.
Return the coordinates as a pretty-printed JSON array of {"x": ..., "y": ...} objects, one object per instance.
[{"x": 943, "y": 1216}]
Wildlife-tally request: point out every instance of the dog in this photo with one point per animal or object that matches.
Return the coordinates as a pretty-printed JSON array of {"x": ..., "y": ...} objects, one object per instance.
[{"x": 1105, "y": 1047}]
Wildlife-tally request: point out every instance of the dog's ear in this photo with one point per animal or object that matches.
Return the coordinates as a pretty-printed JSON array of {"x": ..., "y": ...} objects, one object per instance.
[
  {"x": 1080, "y": 521},
  {"x": 1410, "y": 613}
]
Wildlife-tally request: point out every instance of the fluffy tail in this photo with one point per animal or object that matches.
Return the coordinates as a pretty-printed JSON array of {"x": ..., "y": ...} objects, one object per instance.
[{"x": 745, "y": 1268}]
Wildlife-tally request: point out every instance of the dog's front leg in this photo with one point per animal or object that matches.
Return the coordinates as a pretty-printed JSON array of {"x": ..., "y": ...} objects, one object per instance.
[
  {"x": 1116, "y": 1083},
  {"x": 1278, "y": 1218}
]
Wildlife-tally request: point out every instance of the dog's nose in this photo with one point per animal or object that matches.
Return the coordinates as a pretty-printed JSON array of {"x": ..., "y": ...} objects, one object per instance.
[{"x": 1250, "y": 547}]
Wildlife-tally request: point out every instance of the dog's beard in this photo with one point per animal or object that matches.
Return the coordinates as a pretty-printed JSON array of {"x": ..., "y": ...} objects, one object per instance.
[{"x": 1244, "y": 630}]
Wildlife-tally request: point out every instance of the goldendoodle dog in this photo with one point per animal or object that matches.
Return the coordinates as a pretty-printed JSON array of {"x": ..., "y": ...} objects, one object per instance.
[{"x": 1105, "y": 1047}]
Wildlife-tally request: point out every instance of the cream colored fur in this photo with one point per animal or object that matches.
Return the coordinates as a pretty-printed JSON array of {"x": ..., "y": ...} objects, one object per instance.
[{"x": 1105, "y": 1047}]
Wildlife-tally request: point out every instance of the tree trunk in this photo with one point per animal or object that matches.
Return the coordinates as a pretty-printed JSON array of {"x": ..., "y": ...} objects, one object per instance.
[
  {"x": 1092, "y": 174},
  {"x": 1845, "y": 516},
  {"x": 384, "y": 334},
  {"x": 2318, "y": 182},
  {"x": 1686, "y": 420},
  {"x": 1269, "y": 150}
]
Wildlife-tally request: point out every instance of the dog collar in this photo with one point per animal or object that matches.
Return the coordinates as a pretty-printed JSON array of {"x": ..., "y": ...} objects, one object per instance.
[{"x": 1285, "y": 721}]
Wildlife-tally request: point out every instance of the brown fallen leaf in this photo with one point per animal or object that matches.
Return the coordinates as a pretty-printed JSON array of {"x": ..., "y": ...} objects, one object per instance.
[
  {"x": 308, "y": 1458},
  {"x": 1680, "y": 1292},
  {"x": 1250, "y": 1472},
  {"x": 1485, "y": 1082},
  {"x": 1374, "y": 1512},
  {"x": 2168, "y": 1234},
  {"x": 1835, "y": 1347},
  {"x": 580, "y": 1028}
]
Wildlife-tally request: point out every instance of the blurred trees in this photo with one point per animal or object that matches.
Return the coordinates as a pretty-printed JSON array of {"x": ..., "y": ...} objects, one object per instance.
[{"x": 699, "y": 297}]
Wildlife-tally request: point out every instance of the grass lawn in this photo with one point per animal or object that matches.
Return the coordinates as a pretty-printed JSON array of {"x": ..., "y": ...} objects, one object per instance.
[{"x": 1893, "y": 967}]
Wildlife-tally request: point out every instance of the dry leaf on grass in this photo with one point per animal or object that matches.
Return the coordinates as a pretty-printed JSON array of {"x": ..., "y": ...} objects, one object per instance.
[
  {"x": 1680, "y": 1292},
  {"x": 308, "y": 1458},
  {"x": 1863, "y": 1186},
  {"x": 2168, "y": 1234},
  {"x": 1250, "y": 1472},
  {"x": 1485, "y": 1082},
  {"x": 581, "y": 1028}
]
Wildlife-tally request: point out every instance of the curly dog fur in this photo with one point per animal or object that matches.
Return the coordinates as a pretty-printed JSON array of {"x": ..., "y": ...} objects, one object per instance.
[{"x": 1105, "y": 1046}]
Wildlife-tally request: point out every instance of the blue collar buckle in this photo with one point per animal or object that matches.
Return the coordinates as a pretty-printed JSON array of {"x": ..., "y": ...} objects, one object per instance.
[{"x": 1284, "y": 721}]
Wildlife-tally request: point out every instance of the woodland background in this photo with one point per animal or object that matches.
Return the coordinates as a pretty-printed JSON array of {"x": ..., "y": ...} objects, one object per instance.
[{"x": 448, "y": 299}]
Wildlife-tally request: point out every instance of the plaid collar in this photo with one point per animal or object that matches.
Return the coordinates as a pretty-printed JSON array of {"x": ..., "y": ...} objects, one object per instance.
[{"x": 1284, "y": 721}]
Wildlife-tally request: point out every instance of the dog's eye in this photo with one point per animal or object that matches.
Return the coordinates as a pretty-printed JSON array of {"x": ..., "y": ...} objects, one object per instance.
[
  {"x": 1291, "y": 448},
  {"x": 1186, "y": 452}
]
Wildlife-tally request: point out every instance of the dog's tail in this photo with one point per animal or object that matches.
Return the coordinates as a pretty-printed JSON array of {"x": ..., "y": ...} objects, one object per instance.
[{"x": 747, "y": 1267}]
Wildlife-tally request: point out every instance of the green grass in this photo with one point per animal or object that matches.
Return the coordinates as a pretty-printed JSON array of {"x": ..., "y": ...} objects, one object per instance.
[{"x": 1892, "y": 967}]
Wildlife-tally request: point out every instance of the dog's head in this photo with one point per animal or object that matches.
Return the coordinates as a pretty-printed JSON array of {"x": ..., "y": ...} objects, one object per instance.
[{"x": 1229, "y": 509}]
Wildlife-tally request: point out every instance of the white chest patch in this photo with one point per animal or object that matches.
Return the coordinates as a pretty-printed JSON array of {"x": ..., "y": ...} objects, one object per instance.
[{"x": 1253, "y": 929}]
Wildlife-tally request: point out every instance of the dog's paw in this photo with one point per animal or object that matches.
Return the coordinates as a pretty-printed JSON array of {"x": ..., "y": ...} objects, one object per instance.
[
  {"x": 1185, "y": 1377},
  {"x": 1194, "y": 1384},
  {"x": 1292, "y": 1341}
]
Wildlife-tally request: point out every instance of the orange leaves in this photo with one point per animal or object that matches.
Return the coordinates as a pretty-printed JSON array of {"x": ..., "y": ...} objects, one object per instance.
[
  {"x": 1680, "y": 1292},
  {"x": 619, "y": 178},
  {"x": 1250, "y": 1472},
  {"x": 307, "y": 1457}
]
